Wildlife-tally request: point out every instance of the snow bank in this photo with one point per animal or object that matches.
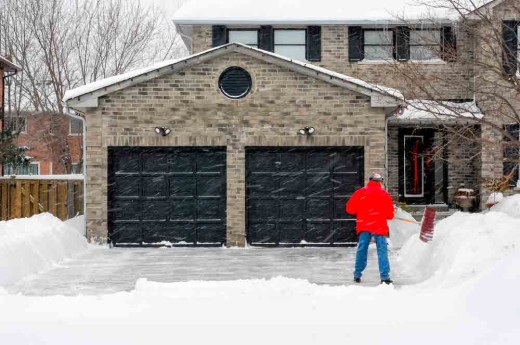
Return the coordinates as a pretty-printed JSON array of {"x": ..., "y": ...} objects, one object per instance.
[
  {"x": 510, "y": 206},
  {"x": 463, "y": 245},
  {"x": 402, "y": 228},
  {"x": 29, "y": 245}
]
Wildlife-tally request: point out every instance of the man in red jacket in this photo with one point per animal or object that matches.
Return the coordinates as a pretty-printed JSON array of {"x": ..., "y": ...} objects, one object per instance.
[{"x": 372, "y": 206}]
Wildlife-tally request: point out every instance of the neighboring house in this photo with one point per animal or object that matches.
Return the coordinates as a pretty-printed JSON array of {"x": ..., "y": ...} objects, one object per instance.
[
  {"x": 52, "y": 141},
  {"x": 7, "y": 70},
  {"x": 265, "y": 131}
]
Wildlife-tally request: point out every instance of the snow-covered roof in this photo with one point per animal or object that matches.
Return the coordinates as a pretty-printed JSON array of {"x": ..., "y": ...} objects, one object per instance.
[
  {"x": 421, "y": 110},
  {"x": 8, "y": 65},
  {"x": 305, "y": 12},
  {"x": 118, "y": 82}
]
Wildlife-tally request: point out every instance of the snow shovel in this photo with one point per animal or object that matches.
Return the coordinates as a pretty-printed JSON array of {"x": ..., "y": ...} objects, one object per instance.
[{"x": 426, "y": 224}]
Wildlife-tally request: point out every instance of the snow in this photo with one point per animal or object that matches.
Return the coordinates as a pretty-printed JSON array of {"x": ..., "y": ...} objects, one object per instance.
[
  {"x": 303, "y": 12},
  {"x": 427, "y": 109},
  {"x": 402, "y": 227},
  {"x": 467, "y": 280},
  {"x": 30, "y": 245},
  {"x": 44, "y": 177},
  {"x": 494, "y": 198},
  {"x": 105, "y": 83}
]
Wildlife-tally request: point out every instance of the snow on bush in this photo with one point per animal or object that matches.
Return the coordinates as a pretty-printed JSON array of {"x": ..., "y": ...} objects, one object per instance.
[
  {"x": 29, "y": 245},
  {"x": 463, "y": 245},
  {"x": 402, "y": 227}
]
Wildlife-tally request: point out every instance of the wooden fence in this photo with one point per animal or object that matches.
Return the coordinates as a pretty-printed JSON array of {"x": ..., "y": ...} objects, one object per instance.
[{"x": 25, "y": 197}]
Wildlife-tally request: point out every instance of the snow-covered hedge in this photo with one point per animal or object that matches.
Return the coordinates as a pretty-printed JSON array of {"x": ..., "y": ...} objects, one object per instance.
[
  {"x": 29, "y": 245},
  {"x": 465, "y": 244}
]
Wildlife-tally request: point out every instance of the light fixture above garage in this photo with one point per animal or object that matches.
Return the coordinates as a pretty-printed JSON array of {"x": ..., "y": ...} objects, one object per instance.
[
  {"x": 163, "y": 131},
  {"x": 306, "y": 131}
]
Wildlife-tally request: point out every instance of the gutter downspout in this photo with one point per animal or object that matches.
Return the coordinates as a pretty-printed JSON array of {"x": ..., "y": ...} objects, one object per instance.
[
  {"x": 387, "y": 119},
  {"x": 84, "y": 163}
]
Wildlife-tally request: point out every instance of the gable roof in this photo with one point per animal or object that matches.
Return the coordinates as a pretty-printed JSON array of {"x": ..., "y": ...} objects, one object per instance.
[
  {"x": 8, "y": 65},
  {"x": 87, "y": 96},
  {"x": 304, "y": 12}
]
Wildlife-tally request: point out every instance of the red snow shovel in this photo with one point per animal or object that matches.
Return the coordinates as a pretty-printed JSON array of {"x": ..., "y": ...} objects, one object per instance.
[{"x": 428, "y": 220}]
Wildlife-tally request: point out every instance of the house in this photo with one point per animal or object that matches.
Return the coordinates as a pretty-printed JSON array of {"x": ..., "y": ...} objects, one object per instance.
[
  {"x": 7, "y": 70},
  {"x": 54, "y": 143},
  {"x": 261, "y": 134}
]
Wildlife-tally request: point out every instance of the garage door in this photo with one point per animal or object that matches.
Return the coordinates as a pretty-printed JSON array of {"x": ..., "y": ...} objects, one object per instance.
[
  {"x": 167, "y": 194},
  {"x": 296, "y": 196}
]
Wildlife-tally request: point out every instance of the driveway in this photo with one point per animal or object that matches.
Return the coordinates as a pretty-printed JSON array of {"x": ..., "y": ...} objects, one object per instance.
[{"x": 101, "y": 270}]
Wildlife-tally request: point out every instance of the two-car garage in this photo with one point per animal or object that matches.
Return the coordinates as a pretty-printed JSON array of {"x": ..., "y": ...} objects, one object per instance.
[{"x": 294, "y": 195}]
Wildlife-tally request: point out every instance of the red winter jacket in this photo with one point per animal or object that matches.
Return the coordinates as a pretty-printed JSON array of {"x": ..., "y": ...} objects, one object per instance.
[{"x": 372, "y": 206}]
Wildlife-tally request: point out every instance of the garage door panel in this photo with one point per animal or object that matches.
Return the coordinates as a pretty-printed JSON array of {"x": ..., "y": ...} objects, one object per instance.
[
  {"x": 182, "y": 185},
  {"x": 291, "y": 209},
  {"x": 183, "y": 208},
  {"x": 263, "y": 209},
  {"x": 208, "y": 233},
  {"x": 155, "y": 186},
  {"x": 262, "y": 233},
  {"x": 127, "y": 186},
  {"x": 210, "y": 185},
  {"x": 291, "y": 184},
  {"x": 126, "y": 210},
  {"x": 210, "y": 209},
  {"x": 181, "y": 162},
  {"x": 318, "y": 232},
  {"x": 345, "y": 232},
  {"x": 211, "y": 162},
  {"x": 291, "y": 232},
  {"x": 126, "y": 233},
  {"x": 154, "y": 162},
  {"x": 127, "y": 162},
  {"x": 319, "y": 208},
  {"x": 262, "y": 184},
  {"x": 156, "y": 210},
  {"x": 171, "y": 232},
  {"x": 299, "y": 193}
]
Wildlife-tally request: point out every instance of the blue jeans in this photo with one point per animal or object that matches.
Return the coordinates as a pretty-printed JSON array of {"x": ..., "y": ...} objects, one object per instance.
[{"x": 382, "y": 255}]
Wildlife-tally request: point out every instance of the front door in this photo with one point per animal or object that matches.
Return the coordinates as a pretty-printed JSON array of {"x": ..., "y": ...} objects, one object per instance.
[{"x": 416, "y": 166}]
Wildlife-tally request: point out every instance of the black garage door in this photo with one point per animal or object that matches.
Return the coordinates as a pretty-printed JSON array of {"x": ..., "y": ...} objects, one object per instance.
[
  {"x": 296, "y": 196},
  {"x": 167, "y": 194}
]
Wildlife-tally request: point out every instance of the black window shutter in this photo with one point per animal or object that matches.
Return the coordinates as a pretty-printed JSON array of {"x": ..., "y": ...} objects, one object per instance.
[
  {"x": 511, "y": 153},
  {"x": 313, "y": 50},
  {"x": 355, "y": 44},
  {"x": 449, "y": 44},
  {"x": 402, "y": 43},
  {"x": 510, "y": 42},
  {"x": 266, "y": 38},
  {"x": 219, "y": 35}
]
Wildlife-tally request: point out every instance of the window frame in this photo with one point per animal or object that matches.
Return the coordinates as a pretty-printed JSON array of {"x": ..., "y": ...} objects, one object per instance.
[
  {"x": 392, "y": 45},
  {"x": 304, "y": 45},
  {"x": 439, "y": 45},
  {"x": 245, "y": 29},
  {"x": 515, "y": 160},
  {"x": 70, "y": 127}
]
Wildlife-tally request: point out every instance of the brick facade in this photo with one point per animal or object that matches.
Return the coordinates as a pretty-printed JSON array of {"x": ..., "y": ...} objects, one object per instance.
[{"x": 190, "y": 103}]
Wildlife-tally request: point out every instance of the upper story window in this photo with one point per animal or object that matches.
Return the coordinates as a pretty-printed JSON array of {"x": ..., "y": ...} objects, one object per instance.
[
  {"x": 425, "y": 44},
  {"x": 75, "y": 127},
  {"x": 290, "y": 43},
  {"x": 378, "y": 44},
  {"x": 247, "y": 37}
]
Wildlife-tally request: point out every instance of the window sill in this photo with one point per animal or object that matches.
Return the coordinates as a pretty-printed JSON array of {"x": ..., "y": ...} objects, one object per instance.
[{"x": 388, "y": 62}]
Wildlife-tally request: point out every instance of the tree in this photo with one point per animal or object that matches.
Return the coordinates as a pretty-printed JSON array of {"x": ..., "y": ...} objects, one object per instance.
[{"x": 62, "y": 44}]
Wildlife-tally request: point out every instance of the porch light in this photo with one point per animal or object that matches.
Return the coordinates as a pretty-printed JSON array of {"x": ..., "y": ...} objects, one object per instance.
[
  {"x": 306, "y": 131},
  {"x": 163, "y": 131}
]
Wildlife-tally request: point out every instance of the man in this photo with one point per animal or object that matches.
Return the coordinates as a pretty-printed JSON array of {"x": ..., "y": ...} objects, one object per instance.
[{"x": 372, "y": 206}]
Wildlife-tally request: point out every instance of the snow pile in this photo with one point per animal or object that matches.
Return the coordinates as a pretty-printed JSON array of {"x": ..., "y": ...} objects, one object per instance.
[
  {"x": 418, "y": 109},
  {"x": 402, "y": 227},
  {"x": 29, "y": 245},
  {"x": 510, "y": 206},
  {"x": 463, "y": 245}
]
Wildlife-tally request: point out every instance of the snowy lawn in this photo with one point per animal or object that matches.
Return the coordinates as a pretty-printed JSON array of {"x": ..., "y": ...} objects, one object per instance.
[{"x": 468, "y": 282}]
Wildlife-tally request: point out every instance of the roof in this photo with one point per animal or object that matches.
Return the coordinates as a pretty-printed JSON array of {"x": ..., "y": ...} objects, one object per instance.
[
  {"x": 420, "y": 110},
  {"x": 84, "y": 96},
  {"x": 8, "y": 65},
  {"x": 237, "y": 12}
]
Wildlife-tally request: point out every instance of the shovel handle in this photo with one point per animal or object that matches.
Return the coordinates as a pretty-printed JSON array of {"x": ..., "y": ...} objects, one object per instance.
[{"x": 408, "y": 220}]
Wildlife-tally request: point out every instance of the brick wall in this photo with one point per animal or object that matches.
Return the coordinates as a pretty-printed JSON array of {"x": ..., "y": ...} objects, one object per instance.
[
  {"x": 452, "y": 80},
  {"x": 190, "y": 103}
]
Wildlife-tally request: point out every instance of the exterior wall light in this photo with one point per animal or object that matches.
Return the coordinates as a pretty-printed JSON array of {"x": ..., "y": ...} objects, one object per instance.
[
  {"x": 306, "y": 131},
  {"x": 163, "y": 131}
]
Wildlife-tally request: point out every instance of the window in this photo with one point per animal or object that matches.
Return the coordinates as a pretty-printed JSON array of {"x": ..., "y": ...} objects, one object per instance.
[
  {"x": 378, "y": 44},
  {"x": 425, "y": 44},
  {"x": 247, "y": 37},
  {"x": 290, "y": 43},
  {"x": 76, "y": 167},
  {"x": 30, "y": 169},
  {"x": 75, "y": 127},
  {"x": 512, "y": 154},
  {"x": 16, "y": 124}
]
